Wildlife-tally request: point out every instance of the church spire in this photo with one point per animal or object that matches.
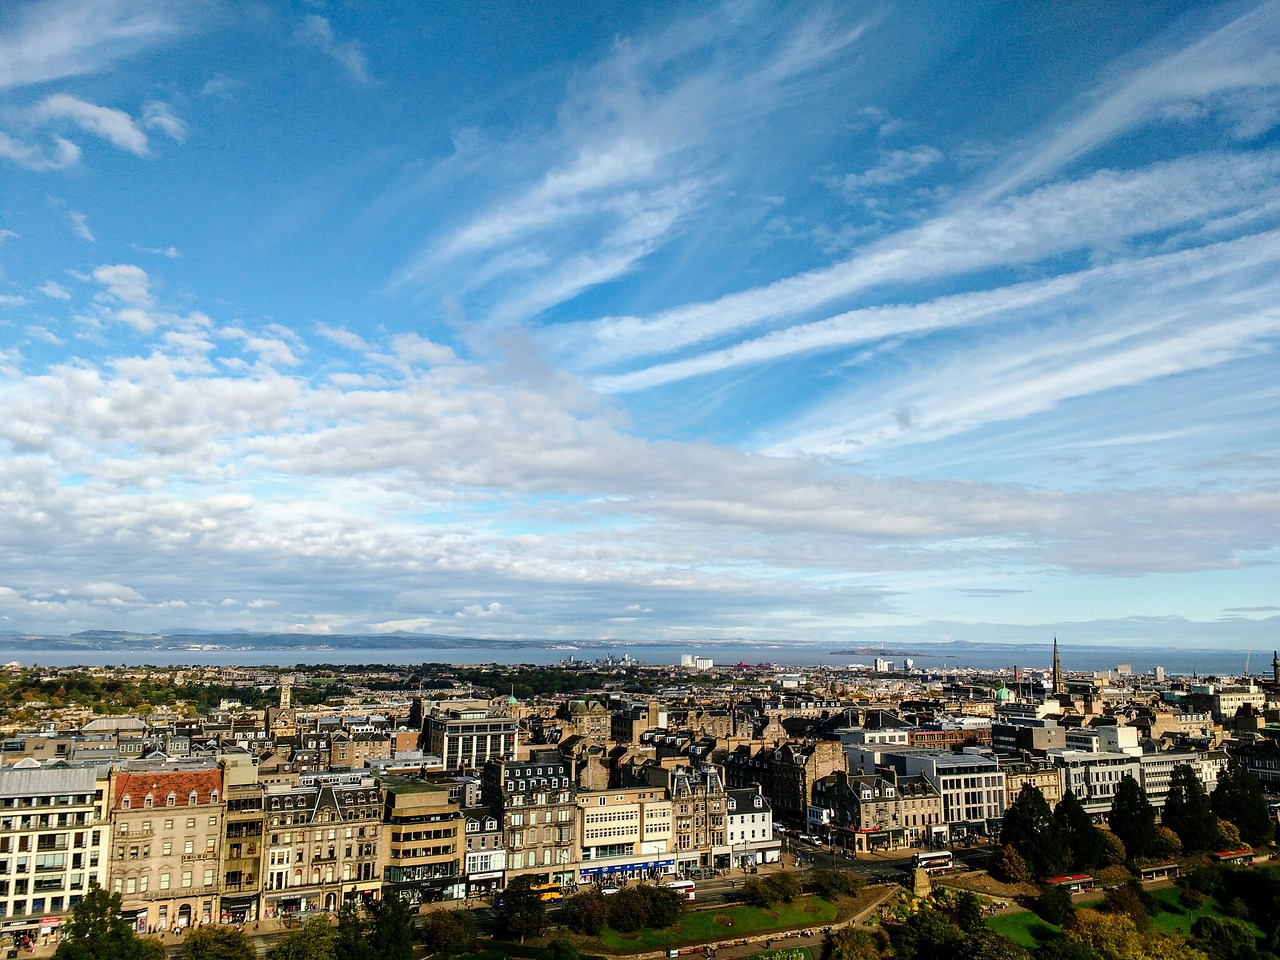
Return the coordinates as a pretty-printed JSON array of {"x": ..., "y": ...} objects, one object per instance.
[{"x": 1057, "y": 668}]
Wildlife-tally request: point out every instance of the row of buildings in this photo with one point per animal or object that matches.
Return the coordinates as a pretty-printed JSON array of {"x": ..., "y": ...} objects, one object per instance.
[{"x": 240, "y": 815}]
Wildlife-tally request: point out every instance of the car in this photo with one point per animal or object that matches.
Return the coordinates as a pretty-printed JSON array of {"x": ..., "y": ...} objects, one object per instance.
[{"x": 608, "y": 890}]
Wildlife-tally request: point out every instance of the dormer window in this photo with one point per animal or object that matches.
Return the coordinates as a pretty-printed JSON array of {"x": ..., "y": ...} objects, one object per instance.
[
  {"x": 124, "y": 802},
  {"x": 191, "y": 799},
  {"x": 171, "y": 799},
  {"x": 759, "y": 802},
  {"x": 147, "y": 801}
]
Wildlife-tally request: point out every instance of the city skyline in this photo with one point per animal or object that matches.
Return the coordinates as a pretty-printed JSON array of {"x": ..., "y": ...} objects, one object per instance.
[{"x": 816, "y": 324}]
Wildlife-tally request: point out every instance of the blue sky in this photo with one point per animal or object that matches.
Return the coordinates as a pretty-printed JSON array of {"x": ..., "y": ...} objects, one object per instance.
[{"x": 861, "y": 322}]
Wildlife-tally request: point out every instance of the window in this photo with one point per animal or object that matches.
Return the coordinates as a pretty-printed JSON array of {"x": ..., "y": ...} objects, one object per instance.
[
  {"x": 186, "y": 878},
  {"x": 148, "y": 801},
  {"x": 170, "y": 800},
  {"x": 124, "y": 802},
  {"x": 191, "y": 799}
]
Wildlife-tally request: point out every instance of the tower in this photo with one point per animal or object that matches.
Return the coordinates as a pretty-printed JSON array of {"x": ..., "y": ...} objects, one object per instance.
[
  {"x": 286, "y": 692},
  {"x": 1275, "y": 667},
  {"x": 1057, "y": 669}
]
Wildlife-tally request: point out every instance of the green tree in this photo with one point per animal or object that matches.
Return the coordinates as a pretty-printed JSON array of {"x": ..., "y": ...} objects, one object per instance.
[
  {"x": 1223, "y": 938},
  {"x": 521, "y": 912},
  {"x": 96, "y": 931},
  {"x": 1029, "y": 827},
  {"x": 1127, "y": 900},
  {"x": 856, "y": 943},
  {"x": 829, "y": 884},
  {"x": 927, "y": 935},
  {"x": 315, "y": 941},
  {"x": 449, "y": 931},
  {"x": 1064, "y": 948},
  {"x": 1133, "y": 818},
  {"x": 969, "y": 912},
  {"x": 1085, "y": 842},
  {"x": 764, "y": 891},
  {"x": 390, "y": 929},
  {"x": 1010, "y": 866},
  {"x": 586, "y": 912},
  {"x": 1054, "y": 905},
  {"x": 1113, "y": 851},
  {"x": 1188, "y": 811},
  {"x": 216, "y": 943},
  {"x": 988, "y": 945},
  {"x": 351, "y": 940},
  {"x": 559, "y": 949},
  {"x": 1238, "y": 799}
]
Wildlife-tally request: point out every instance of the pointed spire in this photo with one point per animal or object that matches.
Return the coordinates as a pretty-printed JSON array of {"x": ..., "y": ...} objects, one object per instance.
[{"x": 1057, "y": 668}]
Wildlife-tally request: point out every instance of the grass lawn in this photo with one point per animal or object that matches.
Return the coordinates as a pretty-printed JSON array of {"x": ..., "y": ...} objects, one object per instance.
[
  {"x": 704, "y": 926},
  {"x": 1175, "y": 918},
  {"x": 1023, "y": 927}
]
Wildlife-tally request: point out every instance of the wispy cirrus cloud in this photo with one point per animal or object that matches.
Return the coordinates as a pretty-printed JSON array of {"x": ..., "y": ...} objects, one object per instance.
[
  {"x": 1099, "y": 209},
  {"x": 114, "y": 126},
  {"x": 56, "y": 39},
  {"x": 628, "y": 163},
  {"x": 316, "y": 32}
]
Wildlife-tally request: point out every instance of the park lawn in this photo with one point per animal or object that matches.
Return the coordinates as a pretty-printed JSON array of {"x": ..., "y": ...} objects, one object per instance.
[
  {"x": 1023, "y": 927},
  {"x": 1175, "y": 918},
  {"x": 705, "y": 926}
]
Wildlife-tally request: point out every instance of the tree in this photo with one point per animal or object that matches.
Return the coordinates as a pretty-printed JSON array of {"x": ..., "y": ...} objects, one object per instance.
[
  {"x": 855, "y": 943},
  {"x": 1085, "y": 841},
  {"x": 559, "y": 949},
  {"x": 1225, "y": 939},
  {"x": 1113, "y": 851},
  {"x": 778, "y": 888},
  {"x": 313, "y": 942},
  {"x": 969, "y": 912},
  {"x": 988, "y": 945},
  {"x": 1010, "y": 866},
  {"x": 1188, "y": 811},
  {"x": 96, "y": 931},
  {"x": 1054, "y": 905},
  {"x": 521, "y": 912},
  {"x": 390, "y": 929},
  {"x": 829, "y": 884},
  {"x": 449, "y": 931},
  {"x": 1064, "y": 948},
  {"x": 927, "y": 935},
  {"x": 644, "y": 905},
  {"x": 1133, "y": 818},
  {"x": 351, "y": 941},
  {"x": 586, "y": 912},
  {"x": 1239, "y": 799},
  {"x": 1127, "y": 900},
  {"x": 216, "y": 943},
  {"x": 1029, "y": 827}
]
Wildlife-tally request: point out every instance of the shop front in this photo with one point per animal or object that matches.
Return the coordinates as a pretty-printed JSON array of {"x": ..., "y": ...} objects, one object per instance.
[
  {"x": 240, "y": 909},
  {"x": 611, "y": 871}
]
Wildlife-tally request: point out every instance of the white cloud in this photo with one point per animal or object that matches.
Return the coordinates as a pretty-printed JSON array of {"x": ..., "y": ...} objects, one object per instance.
[
  {"x": 895, "y": 166},
  {"x": 126, "y": 283},
  {"x": 66, "y": 154},
  {"x": 54, "y": 290},
  {"x": 54, "y": 39},
  {"x": 114, "y": 126},
  {"x": 8, "y": 235},
  {"x": 1098, "y": 209},
  {"x": 80, "y": 224},
  {"x": 316, "y": 32},
  {"x": 158, "y": 114}
]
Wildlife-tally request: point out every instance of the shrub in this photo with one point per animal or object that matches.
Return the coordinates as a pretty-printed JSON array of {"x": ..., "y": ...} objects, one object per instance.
[
  {"x": 1054, "y": 905},
  {"x": 836, "y": 883},
  {"x": 586, "y": 912},
  {"x": 1191, "y": 898},
  {"x": 448, "y": 931}
]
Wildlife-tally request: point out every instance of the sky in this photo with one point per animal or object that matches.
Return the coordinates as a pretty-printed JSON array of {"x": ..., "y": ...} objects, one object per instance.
[{"x": 826, "y": 324}]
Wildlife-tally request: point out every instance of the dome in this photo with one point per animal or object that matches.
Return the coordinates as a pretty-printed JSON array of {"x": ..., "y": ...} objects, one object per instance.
[{"x": 1003, "y": 694}]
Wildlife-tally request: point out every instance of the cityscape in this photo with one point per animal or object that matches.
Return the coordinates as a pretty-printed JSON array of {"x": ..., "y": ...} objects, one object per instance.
[
  {"x": 755, "y": 479},
  {"x": 259, "y": 798}
]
